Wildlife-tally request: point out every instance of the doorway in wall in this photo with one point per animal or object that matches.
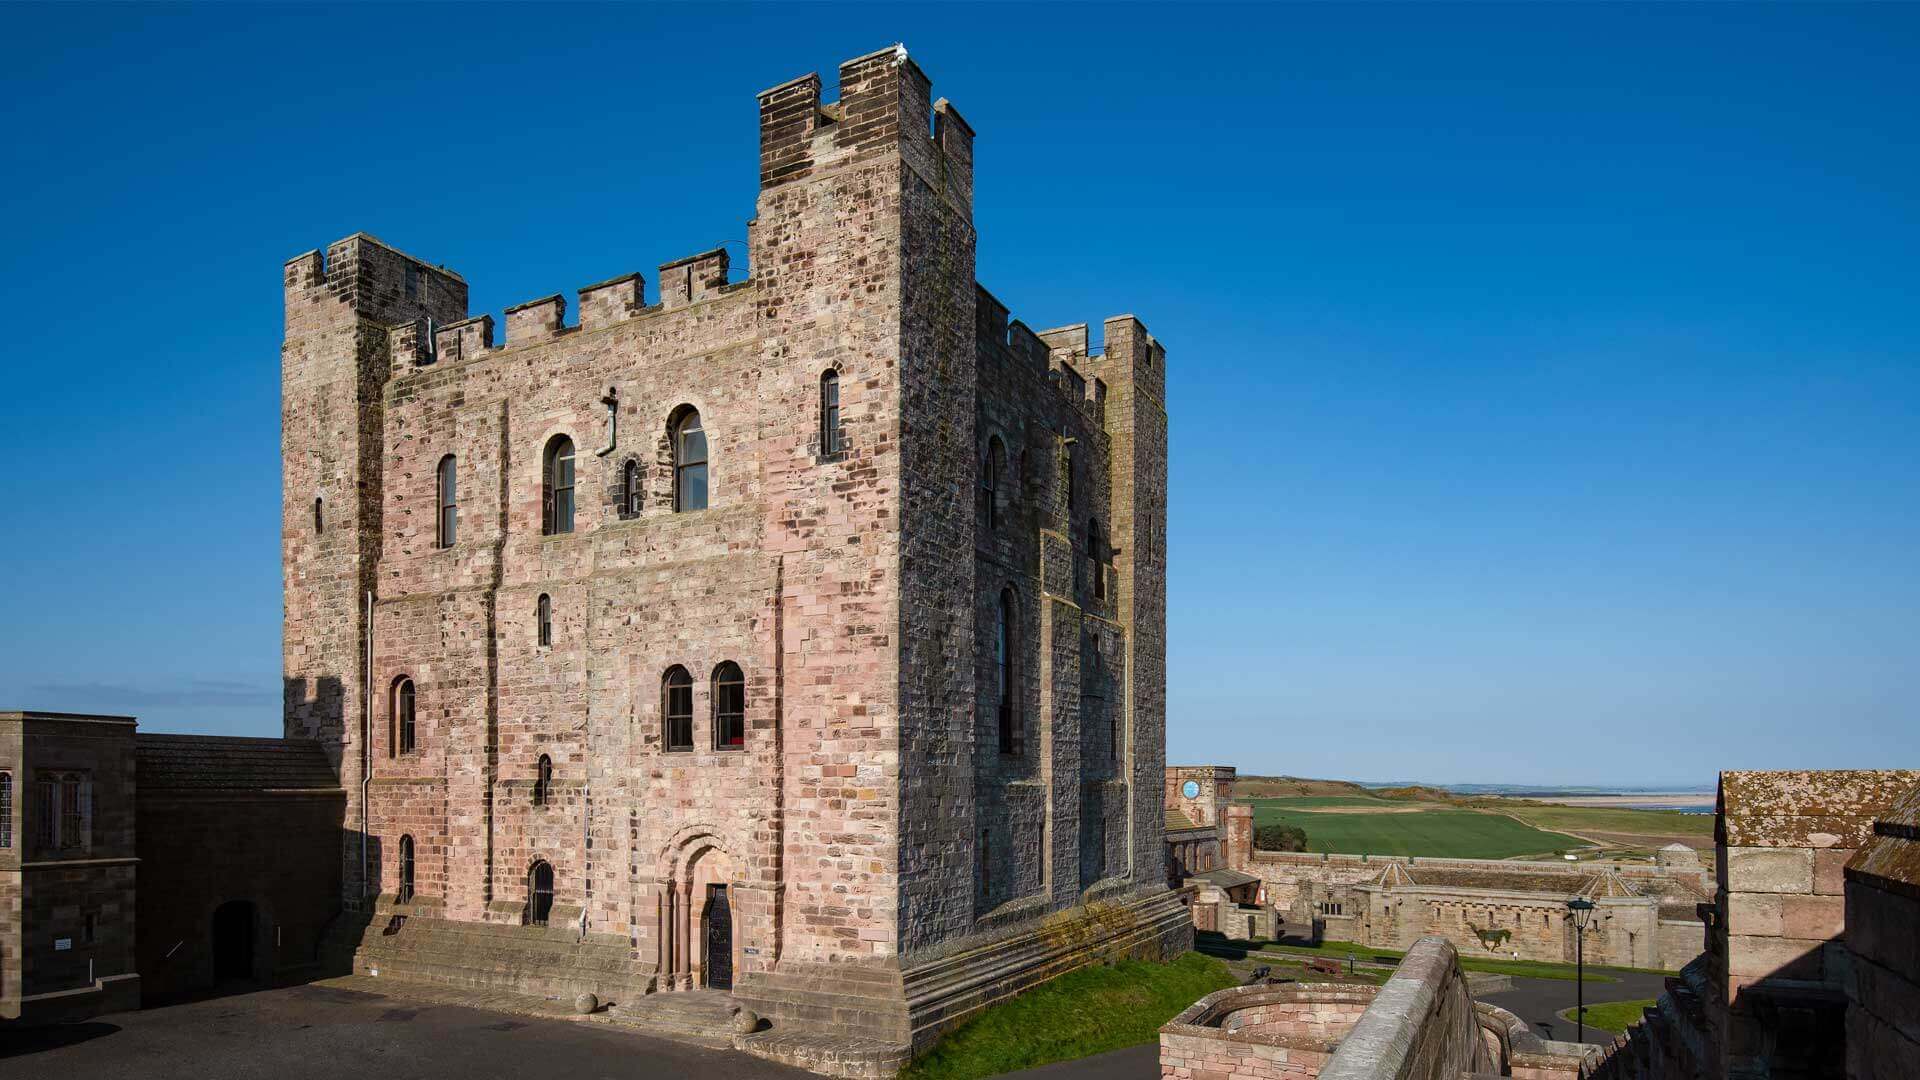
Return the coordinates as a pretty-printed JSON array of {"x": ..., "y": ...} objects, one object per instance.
[
  {"x": 719, "y": 939},
  {"x": 233, "y": 925}
]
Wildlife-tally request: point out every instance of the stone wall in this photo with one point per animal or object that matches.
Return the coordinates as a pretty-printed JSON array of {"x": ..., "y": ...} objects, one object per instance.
[
  {"x": 1883, "y": 936},
  {"x": 67, "y": 919},
  {"x": 1285, "y": 1030},
  {"x": 1421, "y": 1026}
]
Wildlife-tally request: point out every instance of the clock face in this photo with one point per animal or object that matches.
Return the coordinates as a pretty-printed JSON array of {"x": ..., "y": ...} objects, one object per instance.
[{"x": 1191, "y": 789}]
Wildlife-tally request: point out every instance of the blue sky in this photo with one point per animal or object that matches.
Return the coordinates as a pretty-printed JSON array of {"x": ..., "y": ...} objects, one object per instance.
[{"x": 1545, "y": 380}]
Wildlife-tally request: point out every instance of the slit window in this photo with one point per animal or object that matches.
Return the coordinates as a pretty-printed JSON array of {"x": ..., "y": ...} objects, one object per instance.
[
  {"x": 543, "y": 617},
  {"x": 630, "y": 490},
  {"x": 830, "y": 413},
  {"x": 1006, "y": 714},
  {"x": 405, "y": 892},
  {"x": 447, "y": 483},
  {"x": 6, "y": 809},
  {"x": 543, "y": 782},
  {"x": 402, "y": 735}
]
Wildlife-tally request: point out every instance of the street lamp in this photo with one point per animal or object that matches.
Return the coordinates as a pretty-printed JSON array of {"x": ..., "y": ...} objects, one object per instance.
[{"x": 1581, "y": 911}]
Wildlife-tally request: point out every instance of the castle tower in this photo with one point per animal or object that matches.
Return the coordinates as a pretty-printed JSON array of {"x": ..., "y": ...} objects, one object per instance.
[{"x": 342, "y": 310}]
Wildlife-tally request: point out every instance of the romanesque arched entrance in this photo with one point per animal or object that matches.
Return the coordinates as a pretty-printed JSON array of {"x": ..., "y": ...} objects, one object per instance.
[{"x": 700, "y": 920}]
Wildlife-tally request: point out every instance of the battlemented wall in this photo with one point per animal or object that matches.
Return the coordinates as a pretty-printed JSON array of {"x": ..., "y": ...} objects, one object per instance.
[{"x": 872, "y": 814}]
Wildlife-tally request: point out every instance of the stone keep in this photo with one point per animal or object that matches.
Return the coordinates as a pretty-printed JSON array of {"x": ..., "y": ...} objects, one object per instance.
[{"x": 888, "y": 808}]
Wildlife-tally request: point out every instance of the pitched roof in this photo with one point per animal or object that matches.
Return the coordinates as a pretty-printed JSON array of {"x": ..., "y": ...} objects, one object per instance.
[
  {"x": 1801, "y": 808},
  {"x": 208, "y": 763},
  {"x": 1891, "y": 859},
  {"x": 1177, "y": 820}
]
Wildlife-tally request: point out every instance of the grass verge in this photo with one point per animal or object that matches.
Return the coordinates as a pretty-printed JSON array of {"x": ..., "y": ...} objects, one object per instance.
[
  {"x": 1089, "y": 1011},
  {"x": 1614, "y": 1016},
  {"x": 1338, "y": 950}
]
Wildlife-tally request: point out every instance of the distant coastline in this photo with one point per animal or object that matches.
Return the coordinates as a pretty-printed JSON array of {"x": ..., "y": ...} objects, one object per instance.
[{"x": 1685, "y": 802}]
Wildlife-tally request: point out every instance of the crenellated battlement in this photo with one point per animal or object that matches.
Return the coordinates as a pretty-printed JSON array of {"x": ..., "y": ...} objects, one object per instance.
[
  {"x": 1065, "y": 355},
  {"x": 885, "y": 105}
]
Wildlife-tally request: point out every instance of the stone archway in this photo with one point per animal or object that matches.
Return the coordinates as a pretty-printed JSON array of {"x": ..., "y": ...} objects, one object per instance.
[{"x": 699, "y": 916}]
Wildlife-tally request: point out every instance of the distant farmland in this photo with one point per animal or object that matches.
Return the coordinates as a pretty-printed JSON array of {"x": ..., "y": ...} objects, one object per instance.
[{"x": 1368, "y": 826}]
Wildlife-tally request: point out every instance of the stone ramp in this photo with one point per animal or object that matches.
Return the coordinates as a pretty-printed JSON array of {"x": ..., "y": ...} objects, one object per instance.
[{"x": 704, "y": 1017}]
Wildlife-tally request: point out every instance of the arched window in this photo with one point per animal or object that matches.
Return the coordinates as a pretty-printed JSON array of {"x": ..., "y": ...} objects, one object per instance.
[
  {"x": 405, "y": 893},
  {"x": 630, "y": 490},
  {"x": 830, "y": 413},
  {"x": 6, "y": 809},
  {"x": 557, "y": 487},
  {"x": 543, "y": 781},
  {"x": 990, "y": 483},
  {"x": 1097, "y": 558},
  {"x": 676, "y": 708},
  {"x": 543, "y": 619},
  {"x": 400, "y": 739},
  {"x": 729, "y": 707},
  {"x": 689, "y": 463},
  {"x": 449, "y": 500},
  {"x": 1006, "y": 712},
  {"x": 539, "y": 893},
  {"x": 319, "y": 515}
]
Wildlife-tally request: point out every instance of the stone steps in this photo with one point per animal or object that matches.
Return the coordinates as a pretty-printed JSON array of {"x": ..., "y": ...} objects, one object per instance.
[
  {"x": 704, "y": 1017},
  {"x": 546, "y": 962}
]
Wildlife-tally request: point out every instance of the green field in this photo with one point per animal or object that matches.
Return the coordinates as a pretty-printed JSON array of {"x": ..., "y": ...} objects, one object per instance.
[
  {"x": 1695, "y": 830},
  {"x": 1449, "y": 833}
]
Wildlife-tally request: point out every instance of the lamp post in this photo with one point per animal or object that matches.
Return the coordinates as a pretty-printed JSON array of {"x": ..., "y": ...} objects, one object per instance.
[{"x": 1581, "y": 910}]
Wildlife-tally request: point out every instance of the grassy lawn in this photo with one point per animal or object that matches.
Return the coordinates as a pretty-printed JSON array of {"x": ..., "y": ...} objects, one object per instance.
[
  {"x": 1089, "y": 1011},
  {"x": 1338, "y": 950},
  {"x": 1614, "y": 1016},
  {"x": 1460, "y": 834}
]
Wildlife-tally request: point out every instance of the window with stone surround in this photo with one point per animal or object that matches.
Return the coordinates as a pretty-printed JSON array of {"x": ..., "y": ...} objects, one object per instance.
[
  {"x": 6, "y": 809},
  {"x": 990, "y": 471},
  {"x": 543, "y": 782},
  {"x": 830, "y": 441},
  {"x": 63, "y": 812},
  {"x": 689, "y": 461},
  {"x": 539, "y": 893},
  {"x": 543, "y": 621},
  {"x": 400, "y": 732},
  {"x": 632, "y": 490},
  {"x": 1005, "y": 681},
  {"x": 319, "y": 515},
  {"x": 556, "y": 497},
  {"x": 405, "y": 892},
  {"x": 676, "y": 710},
  {"x": 447, "y": 484},
  {"x": 729, "y": 707}
]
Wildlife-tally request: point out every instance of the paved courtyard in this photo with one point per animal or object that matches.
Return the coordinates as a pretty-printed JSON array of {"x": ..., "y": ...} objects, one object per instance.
[{"x": 317, "y": 1032}]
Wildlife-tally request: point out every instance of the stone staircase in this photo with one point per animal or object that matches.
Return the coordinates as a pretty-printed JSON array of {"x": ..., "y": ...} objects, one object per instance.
[
  {"x": 704, "y": 1017},
  {"x": 554, "y": 963}
]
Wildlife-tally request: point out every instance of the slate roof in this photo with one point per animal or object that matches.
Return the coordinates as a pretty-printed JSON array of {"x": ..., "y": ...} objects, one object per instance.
[
  {"x": 1797, "y": 808},
  {"x": 210, "y": 763}
]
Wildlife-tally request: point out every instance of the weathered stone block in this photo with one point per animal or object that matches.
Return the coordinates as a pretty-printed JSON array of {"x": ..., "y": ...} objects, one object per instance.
[{"x": 1769, "y": 870}]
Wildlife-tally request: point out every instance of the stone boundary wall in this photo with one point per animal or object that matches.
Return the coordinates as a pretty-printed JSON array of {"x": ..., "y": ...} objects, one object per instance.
[
  {"x": 1300, "y": 1025},
  {"x": 1422, "y": 1025},
  {"x": 1883, "y": 933}
]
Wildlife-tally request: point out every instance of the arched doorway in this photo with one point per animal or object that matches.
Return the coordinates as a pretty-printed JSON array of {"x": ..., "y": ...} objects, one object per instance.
[
  {"x": 539, "y": 893},
  {"x": 233, "y": 924}
]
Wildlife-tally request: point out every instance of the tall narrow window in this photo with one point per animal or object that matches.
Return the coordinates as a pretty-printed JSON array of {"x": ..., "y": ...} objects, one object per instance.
[
  {"x": 986, "y": 866},
  {"x": 1096, "y": 558},
  {"x": 830, "y": 413},
  {"x": 405, "y": 893},
  {"x": 543, "y": 781},
  {"x": 319, "y": 515},
  {"x": 403, "y": 707},
  {"x": 6, "y": 809},
  {"x": 676, "y": 707},
  {"x": 689, "y": 463},
  {"x": 1006, "y": 713},
  {"x": 630, "y": 490},
  {"x": 729, "y": 707},
  {"x": 990, "y": 483},
  {"x": 539, "y": 893},
  {"x": 449, "y": 500},
  {"x": 543, "y": 616},
  {"x": 46, "y": 813},
  {"x": 73, "y": 815},
  {"x": 1066, "y": 466},
  {"x": 557, "y": 488}
]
